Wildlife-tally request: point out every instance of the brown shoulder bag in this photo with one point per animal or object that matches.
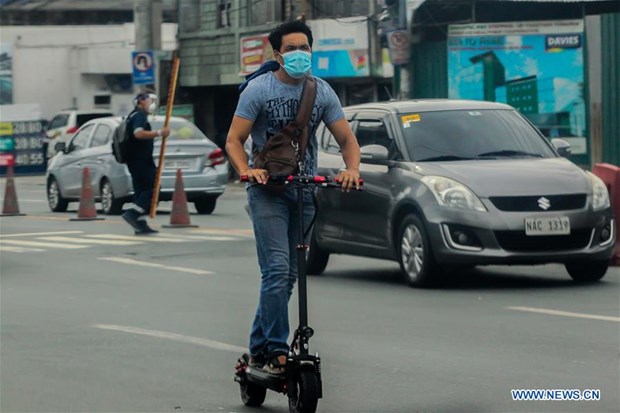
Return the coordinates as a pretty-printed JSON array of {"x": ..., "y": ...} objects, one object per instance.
[{"x": 284, "y": 152}]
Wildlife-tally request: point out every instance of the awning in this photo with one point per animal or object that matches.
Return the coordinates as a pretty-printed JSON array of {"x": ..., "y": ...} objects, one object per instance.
[{"x": 440, "y": 12}]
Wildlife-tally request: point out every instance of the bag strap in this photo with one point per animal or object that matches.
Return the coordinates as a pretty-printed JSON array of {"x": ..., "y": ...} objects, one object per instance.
[
  {"x": 302, "y": 120},
  {"x": 308, "y": 96}
]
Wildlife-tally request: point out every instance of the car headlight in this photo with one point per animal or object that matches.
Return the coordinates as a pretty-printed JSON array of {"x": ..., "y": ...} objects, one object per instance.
[
  {"x": 453, "y": 194},
  {"x": 600, "y": 195}
]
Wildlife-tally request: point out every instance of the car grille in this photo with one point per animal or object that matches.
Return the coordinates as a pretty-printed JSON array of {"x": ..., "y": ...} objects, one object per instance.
[
  {"x": 531, "y": 203},
  {"x": 518, "y": 241}
]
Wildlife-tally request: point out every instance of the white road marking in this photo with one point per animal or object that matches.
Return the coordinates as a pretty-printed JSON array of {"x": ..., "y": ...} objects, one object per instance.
[
  {"x": 201, "y": 237},
  {"x": 241, "y": 232},
  {"x": 28, "y": 234},
  {"x": 42, "y": 244},
  {"x": 565, "y": 313},
  {"x": 89, "y": 241},
  {"x": 19, "y": 249},
  {"x": 130, "y": 261},
  {"x": 140, "y": 238},
  {"x": 217, "y": 345},
  {"x": 33, "y": 201}
]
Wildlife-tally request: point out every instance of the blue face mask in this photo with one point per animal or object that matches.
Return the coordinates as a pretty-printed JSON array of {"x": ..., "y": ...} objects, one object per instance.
[{"x": 297, "y": 63}]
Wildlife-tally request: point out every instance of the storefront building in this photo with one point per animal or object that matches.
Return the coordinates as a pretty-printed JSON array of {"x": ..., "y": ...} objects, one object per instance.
[{"x": 556, "y": 62}]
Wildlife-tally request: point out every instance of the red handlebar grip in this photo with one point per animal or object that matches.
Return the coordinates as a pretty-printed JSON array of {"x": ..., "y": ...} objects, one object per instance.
[{"x": 244, "y": 178}]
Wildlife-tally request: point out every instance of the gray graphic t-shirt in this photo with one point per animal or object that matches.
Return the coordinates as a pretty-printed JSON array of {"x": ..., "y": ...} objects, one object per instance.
[{"x": 272, "y": 104}]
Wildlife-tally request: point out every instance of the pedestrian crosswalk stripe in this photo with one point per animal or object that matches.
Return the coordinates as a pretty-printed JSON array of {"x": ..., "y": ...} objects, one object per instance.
[
  {"x": 78, "y": 239},
  {"x": 42, "y": 244},
  {"x": 90, "y": 241},
  {"x": 8, "y": 248},
  {"x": 201, "y": 237},
  {"x": 32, "y": 234},
  {"x": 130, "y": 261},
  {"x": 143, "y": 238},
  {"x": 223, "y": 231}
]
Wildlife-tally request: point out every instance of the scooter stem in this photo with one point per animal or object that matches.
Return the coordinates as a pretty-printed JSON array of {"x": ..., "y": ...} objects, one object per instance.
[{"x": 301, "y": 275}]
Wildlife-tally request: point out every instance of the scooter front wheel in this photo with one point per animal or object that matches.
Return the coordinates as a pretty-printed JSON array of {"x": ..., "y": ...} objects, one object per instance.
[{"x": 305, "y": 397}]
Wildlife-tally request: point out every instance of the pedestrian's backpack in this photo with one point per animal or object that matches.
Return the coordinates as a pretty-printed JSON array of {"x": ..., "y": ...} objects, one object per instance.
[
  {"x": 120, "y": 140},
  {"x": 285, "y": 151}
]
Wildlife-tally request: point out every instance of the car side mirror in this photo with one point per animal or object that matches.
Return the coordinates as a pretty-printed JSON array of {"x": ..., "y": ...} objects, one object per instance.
[
  {"x": 60, "y": 147},
  {"x": 374, "y": 154},
  {"x": 563, "y": 147}
]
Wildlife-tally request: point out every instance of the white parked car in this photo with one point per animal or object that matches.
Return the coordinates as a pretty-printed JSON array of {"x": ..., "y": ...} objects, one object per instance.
[
  {"x": 204, "y": 167},
  {"x": 65, "y": 123}
]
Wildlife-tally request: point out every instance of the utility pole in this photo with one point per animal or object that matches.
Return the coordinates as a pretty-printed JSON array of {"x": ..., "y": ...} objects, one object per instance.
[
  {"x": 398, "y": 39},
  {"x": 147, "y": 17},
  {"x": 404, "y": 69}
]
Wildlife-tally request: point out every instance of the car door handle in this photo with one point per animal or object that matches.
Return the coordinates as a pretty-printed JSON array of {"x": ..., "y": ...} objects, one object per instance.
[{"x": 99, "y": 160}]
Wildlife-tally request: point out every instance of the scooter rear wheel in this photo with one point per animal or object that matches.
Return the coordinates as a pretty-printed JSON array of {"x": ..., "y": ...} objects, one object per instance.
[
  {"x": 305, "y": 398},
  {"x": 252, "y": 394}
]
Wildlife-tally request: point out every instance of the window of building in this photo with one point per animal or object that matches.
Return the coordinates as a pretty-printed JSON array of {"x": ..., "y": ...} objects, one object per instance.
[
  {"x": 264, "y": 12},
  {"x": 103, "y": 100},
  {"x": 331, "y": 8},
  {"x": 189, "y": 11},
  {"x": 223, "y": 13}
]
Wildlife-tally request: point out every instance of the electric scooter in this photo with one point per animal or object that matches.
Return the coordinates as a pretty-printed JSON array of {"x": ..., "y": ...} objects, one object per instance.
[{"x": 302, "y": 379}]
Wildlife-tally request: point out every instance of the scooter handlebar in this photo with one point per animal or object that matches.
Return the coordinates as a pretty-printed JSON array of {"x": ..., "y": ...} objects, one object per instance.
[{"x": 323, "y": 181}]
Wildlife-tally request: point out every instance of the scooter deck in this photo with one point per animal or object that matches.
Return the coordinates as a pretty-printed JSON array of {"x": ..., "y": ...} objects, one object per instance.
[{"x": 275, "y": 382}]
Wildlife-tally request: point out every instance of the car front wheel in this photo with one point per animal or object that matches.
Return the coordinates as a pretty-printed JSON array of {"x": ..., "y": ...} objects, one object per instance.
[
  {"x": 205, "y": 206},
  {"x": 54, "y": 198},
  {"x": 109, "y": 204},
  {"x": 417, "y": 263},
  {"x": 587, "y": 271}
]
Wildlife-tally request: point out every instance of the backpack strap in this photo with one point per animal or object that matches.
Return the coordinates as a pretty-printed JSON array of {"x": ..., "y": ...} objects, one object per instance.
[{"x": 308, "y": 97}]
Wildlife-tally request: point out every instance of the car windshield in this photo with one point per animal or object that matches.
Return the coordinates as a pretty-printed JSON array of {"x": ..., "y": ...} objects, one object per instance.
[
  {"x": 180, "y": 129},
  {"x": 471, "y": 134}
]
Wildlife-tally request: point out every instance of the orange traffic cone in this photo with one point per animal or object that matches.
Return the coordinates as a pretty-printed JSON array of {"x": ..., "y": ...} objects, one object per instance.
[
  {"x": 10, "y": 208},
  {"x": 179, "y": 217},
  {"x": 87, "y": 210}
]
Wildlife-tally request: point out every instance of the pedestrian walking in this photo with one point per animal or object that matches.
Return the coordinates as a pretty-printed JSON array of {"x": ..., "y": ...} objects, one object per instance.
[{"x": 140, "y": 161}]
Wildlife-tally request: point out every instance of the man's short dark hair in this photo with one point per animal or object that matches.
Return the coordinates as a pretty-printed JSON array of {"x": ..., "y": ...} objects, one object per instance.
[{"x": 295, "y": 26}]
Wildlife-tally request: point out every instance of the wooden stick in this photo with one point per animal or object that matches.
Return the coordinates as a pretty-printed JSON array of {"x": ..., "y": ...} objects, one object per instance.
[{"x": 174, "y": 74}]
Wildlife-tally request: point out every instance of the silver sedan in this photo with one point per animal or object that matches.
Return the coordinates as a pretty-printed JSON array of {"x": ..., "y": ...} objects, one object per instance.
[{"x": 203, "y": 164}]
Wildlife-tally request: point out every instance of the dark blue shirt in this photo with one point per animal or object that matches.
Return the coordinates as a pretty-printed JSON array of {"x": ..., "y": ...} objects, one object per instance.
[{"x": 140, "y": 150}]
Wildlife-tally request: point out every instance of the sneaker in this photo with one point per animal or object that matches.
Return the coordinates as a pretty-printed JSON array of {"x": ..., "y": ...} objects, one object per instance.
[
  {"x": 131, "y": 217},
  {"x": 257, "y": 362},
  {"x": 277, "y": 365},
  {"x": 144, "y": 229}
]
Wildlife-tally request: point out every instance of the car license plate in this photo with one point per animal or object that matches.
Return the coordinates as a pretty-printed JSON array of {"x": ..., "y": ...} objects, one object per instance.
[
  {"x": 177, "y": 163},
  {"x": 547, "y": 226}
]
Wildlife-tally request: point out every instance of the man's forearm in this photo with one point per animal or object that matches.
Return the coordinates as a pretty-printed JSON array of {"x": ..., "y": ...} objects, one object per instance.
[
  {"x": 147, "y": 134},
  {"x": 351, "y": 156},
  {"x": 237, "y": 156}
]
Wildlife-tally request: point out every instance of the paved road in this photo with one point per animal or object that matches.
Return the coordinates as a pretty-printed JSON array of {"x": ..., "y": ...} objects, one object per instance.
[{"x": 95, "y": 319}]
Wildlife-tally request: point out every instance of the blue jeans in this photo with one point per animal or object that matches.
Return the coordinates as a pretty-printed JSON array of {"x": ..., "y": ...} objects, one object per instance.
[{"x": 276, "y": 229}]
